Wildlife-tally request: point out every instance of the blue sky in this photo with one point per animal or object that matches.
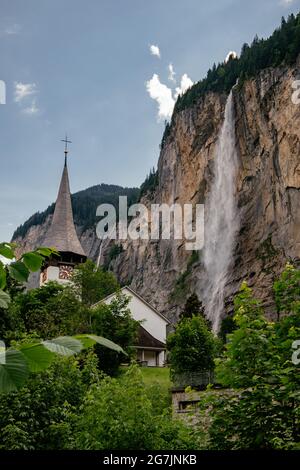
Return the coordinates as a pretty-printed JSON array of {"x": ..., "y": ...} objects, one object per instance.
[{"x": 82, "y": 67}]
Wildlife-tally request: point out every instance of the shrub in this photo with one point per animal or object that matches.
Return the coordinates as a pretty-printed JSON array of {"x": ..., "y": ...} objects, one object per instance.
[
  {"x": 114, "y": 322},
  {"x": 191, "y": 347},
  {"x": 120, "y": 415},
  {"x": 38, "y": 415},
  {"x": 262, "y": 409}
]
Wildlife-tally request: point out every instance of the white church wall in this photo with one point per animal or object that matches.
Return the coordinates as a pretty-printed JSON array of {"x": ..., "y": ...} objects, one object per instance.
[
  {"x": 161, "y": 358},
  {"x": 153, "y": 322},
  {"x": 53, "y": 275},
  {"x": 150, "y": 358}
]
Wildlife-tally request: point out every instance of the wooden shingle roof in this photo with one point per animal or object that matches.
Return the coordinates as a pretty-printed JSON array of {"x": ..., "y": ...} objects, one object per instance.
[
  {"x": 62, "y": 234},
  {"x": 146, "y": 340}
]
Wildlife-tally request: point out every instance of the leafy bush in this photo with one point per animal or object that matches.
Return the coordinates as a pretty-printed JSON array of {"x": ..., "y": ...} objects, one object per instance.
[
  {"x": 119, "y": 414},
  {"x": 49, "y": 311},
  {"x": 38, "y": 415},
  {"x": 287, "y": 291},
  {"x": 114, "y": 321},
  {"x": 262, "y": 409},
  {"x": 93, "y": 284},
  {"x": 191, "y": 347}
]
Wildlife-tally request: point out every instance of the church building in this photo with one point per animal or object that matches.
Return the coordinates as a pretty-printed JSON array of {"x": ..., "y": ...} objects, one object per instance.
[
  {"x": 62, "y": 236},
  {"x": 151, "y": 342}
]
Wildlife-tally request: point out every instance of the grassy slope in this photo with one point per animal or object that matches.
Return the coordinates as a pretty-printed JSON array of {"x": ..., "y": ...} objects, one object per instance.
[{"x": 156, "y": 374}]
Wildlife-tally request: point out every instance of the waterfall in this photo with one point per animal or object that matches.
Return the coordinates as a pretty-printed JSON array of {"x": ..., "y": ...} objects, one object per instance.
[{"x": 221, "y": 219}]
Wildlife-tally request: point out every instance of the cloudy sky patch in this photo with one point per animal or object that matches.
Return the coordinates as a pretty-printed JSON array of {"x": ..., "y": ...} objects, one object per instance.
[{"x": 154, "y": 50}]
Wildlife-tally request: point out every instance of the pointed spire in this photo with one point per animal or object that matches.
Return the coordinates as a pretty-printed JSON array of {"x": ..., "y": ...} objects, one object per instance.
[
  {"x": 62, "y": 234},
  {"x": 66, "y": 141}
]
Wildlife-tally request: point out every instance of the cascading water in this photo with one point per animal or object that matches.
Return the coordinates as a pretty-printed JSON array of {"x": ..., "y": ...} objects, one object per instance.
[{"x": 221, "y": 219}]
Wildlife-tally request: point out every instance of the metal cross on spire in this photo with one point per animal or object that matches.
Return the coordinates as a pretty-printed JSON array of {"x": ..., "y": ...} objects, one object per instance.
[{"x": 66, "y": 141}]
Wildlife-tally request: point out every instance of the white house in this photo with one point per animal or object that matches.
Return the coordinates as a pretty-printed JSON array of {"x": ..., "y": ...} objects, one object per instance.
[{"x": 151, "y": 344}]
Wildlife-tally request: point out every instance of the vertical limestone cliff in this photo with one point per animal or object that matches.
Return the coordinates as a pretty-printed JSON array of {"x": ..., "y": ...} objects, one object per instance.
[{"x": 267, "y": 126}]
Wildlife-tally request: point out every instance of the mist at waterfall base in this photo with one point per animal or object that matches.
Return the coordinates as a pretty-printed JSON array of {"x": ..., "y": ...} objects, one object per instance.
[{"x": 221, "y": 219}]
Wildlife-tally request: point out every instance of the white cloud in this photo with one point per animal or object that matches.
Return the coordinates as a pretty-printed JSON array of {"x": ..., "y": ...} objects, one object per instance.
[
  {"x": 154, "y": 50},
  {"x": 232, "y": 54},
  {"x": 185, "y": 84},
  {"x": 32, "y": 109},
  {"x": 286, "y": 2},
  {"x": 163, "y": 95},
  {"x": 172, "y": 73},
  {"x": 23, "y": 90},
  {"x": 10, "y": 30}
]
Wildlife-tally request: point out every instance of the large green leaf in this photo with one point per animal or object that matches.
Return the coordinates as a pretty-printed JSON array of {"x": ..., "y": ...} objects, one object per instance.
[
  {"x": 32, "y": 261},
  {"x": 6, "y": 250},
  {"x": 85, "y": 341},
  {"x": 45, "y": 251},
  {"x": 4, "y": 299},
  {"x": 14, "y": 372},
  {"x": 107, "y": 343},
  {"x": 2, "y": 276},
  {"x": 18, "y": 271},
  {"x": 38, "y": 357},
  {"x": 63, "y": 345}
]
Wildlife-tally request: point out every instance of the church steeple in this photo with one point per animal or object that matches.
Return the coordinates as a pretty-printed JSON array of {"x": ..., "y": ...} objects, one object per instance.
[
  {"x": 62, "y": 233},
  {"x": 66, "y": 141}
]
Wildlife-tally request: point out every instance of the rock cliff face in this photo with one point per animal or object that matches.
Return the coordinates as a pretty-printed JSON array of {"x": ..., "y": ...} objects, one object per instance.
[
  {"x": 267, "y": 126},
  {"x": 268, "y": 191}
]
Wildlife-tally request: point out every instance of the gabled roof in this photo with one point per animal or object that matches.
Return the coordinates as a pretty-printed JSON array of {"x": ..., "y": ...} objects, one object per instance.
[
  {"x": 146, "y": 340},
  {"x": 62, "y": 234},
  {"x": 139, "y": 297}
]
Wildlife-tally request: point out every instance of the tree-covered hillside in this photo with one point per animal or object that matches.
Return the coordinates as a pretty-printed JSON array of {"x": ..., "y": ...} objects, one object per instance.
[{"x": 84, "y": 205}]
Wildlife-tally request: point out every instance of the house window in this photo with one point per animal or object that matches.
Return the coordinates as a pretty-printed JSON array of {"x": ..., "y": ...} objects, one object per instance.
[{"x": 185, "y": 405}]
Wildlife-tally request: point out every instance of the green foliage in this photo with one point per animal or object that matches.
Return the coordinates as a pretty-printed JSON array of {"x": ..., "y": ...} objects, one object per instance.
[
  {"x": 84, "y": 204},
  {"x": 194, "y": 258},
  {"x": 38, "y": 415},
  {"x": 281, "y": 48},
  {"x": 228, "y": 325},
  {"x": 35, "y": 356},
  {"x": 181, "y": 284},
  {"x": 193, "y": 306},
  {"x": 114, "y": 321},
  {"x": 11, "y": 278},
  {"x": 19, "y": 270},
  {"x": 262, "y": 410},
  {"x": 266, "y": 252},
  {"x": 115, "y": 251},
  {"x": 49, "y": 311},
  {"x": 180, "y": 288},
  {"x": 287, "y": 291},
  {"x": 150, "y": 183},
  {"x": 191, "y": 347},
  {"x": 93, "y": 284},
  {"x": 158, "y": 384},
  {"x": 120, "y": 414},
  {"x": 53, "y": 310},
  {"x": 236, "y": 369},
  {"x": 154, "y": 375},
  {"x": 4, "y": 300}
]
